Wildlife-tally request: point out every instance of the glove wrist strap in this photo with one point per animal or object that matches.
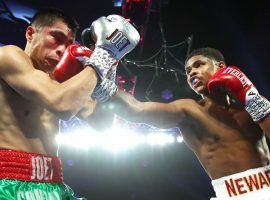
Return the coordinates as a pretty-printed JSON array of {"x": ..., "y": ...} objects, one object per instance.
[
  {"x": 104, "y": 90},
  {"x": 258, "y": 107},
  {"x": 101, "y": 60}
]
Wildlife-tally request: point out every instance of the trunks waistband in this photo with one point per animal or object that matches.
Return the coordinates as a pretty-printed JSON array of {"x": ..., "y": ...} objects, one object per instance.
[
  {"x": 26, "y": 166},
  {"x": 244, "y": 183}
]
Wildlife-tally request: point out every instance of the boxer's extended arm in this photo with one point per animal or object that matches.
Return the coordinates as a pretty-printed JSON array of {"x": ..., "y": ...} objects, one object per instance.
[
  {"x": 63, "y": 99},
  {"x": 162, "y": 115}
]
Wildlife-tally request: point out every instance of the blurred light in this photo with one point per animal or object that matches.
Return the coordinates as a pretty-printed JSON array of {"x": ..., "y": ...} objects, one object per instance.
[
  {"x": 118, "y": 139},
  {"x": 141, "y": 40},
  {"x": 117, "y": 3},
  {"x": 179, "y": 139},
  {"x": 167, "y": 94},
  {"x": 111, "y": 106},
  {"x": 114, "y": 140},
  {"x": 70, "y": 162},
  {"x": 127, "y": 84},
  {"x": 159, "y": 139},
  {"x": 122, "y": 135},
  {"x": 139, "y": 1}
]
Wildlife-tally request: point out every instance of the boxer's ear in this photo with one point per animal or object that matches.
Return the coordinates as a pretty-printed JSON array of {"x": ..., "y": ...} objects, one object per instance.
[
  {"x": 221, "y": 64},
  {"x": 29, "y": 34}
]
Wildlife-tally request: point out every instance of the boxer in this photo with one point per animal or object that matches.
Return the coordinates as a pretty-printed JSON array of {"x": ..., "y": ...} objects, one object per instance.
[
  {"x": 33, "y": 101},
  {"x": 228, "y": 138}
]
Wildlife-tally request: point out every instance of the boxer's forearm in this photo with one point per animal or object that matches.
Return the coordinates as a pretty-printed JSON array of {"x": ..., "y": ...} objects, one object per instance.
[
  {"x": 153, "y": 113},
  {"x": 87, "y": 110},
  {"x": 127, "y": 105}
]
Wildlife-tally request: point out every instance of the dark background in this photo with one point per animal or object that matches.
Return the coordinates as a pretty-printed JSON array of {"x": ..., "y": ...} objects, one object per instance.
[{"x": 239, "y": 30}]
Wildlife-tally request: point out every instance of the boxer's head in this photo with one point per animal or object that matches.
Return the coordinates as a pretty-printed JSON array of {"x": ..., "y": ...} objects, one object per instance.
[
  {"x": 200, "y": 65},
  {"x": 48, "y": 35}
]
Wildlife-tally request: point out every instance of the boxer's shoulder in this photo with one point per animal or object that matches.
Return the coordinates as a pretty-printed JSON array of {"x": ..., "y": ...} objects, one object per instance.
[
  {"x": 8, "y": 48},
  {"x": 11, "y": 55},
  {"x": 185, "y": 104},
  {"x": 9, "y": 52}
]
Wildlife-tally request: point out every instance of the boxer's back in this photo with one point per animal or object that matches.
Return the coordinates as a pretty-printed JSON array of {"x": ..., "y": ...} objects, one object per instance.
[
  {"x": 225, "y": 140},
  {"x": 21, "y": 124}
]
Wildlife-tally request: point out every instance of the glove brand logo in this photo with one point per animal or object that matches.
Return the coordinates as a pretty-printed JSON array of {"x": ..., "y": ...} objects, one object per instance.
[
  {"x": 118, "y": 39},
  {"x": 238, "y": 75},
  {"x": 251, "y": 93}
]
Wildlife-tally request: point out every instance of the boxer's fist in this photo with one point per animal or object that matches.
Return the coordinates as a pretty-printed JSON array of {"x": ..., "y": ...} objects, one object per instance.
[
  {"x": 69, "y": 65},
  {"x": 236, "y": 83},
  {"x": 115, "y": 34},
  {"x": 233, "y": 81},
  {"x": 114, "y": 37}
]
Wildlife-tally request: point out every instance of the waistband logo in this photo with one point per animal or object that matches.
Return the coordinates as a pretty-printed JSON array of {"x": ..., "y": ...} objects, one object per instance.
[
  {"x": 247, "y": 184},
  {"x": 41, "y": 168}
]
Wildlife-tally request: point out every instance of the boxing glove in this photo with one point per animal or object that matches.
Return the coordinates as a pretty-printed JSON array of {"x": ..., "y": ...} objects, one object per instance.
[
  {"x": 114, "y": 37},
  {"x": 234, "y": 81},
  {"x": 69, "y": 65}
]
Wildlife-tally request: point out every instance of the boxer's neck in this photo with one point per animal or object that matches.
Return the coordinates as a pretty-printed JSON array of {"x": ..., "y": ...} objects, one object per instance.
[{"x": 222, "y": 99}]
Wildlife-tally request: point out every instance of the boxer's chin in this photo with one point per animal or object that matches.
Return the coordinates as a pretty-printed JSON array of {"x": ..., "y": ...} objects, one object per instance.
[
  {"x": 48, "y": 66},
  {"x": 202, "y": 90}
]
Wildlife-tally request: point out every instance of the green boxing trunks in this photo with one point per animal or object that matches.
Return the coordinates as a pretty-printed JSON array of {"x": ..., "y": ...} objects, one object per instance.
[
  {"x": 22, "y": 190},
  {"x": 31, "y": 176}
]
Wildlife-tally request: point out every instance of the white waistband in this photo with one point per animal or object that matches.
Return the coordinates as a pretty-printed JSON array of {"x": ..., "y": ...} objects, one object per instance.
[{"x": 245, "y": 184}]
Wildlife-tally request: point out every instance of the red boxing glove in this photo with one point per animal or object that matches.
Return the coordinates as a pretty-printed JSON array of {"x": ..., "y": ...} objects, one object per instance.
[
  {"x": 232, "y": 80},
  {"x": 69, "y": 66},
  {"x": 236, "y": 83}
]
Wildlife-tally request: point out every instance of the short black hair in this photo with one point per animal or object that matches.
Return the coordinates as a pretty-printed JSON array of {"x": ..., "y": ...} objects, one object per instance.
[
  {"x": 207, "y": 52},
  {"x": 47, "y": 17}
]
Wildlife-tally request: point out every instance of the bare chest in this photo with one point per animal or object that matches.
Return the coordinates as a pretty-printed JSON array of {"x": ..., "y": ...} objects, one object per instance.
[
  {"x": 24, "y": 124},
  {"x": 16, "y": 108},
  {"x": 218, "y": 123}
]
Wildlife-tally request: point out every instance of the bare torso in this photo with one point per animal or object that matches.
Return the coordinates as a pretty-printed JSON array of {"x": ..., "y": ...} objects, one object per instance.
[
  {"x": 24, "y": 125},
  {"x": 225, "y": 139}
]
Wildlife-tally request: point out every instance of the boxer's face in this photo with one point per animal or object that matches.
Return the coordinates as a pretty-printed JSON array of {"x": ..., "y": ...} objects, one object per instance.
[
  {"x": 199, "y": 69},
  {"x": 48, "y": 43}
]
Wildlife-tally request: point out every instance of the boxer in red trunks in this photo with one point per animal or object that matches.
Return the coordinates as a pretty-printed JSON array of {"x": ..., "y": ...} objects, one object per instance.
[{"x": 32, "y": 101}]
